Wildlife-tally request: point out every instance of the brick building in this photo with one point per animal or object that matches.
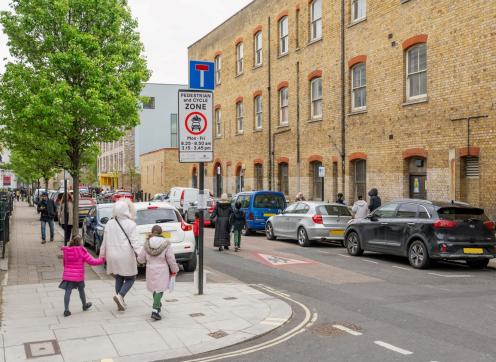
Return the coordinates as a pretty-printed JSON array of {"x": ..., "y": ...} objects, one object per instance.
[{"x": 393, "y": 94}]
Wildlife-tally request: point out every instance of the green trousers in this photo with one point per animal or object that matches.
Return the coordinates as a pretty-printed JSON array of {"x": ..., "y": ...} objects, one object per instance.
[
  {"x": 237, "y": 238},
  {"x": 157, "y": 300}
]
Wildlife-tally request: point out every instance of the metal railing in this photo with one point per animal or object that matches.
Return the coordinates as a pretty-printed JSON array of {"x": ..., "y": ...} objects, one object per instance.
[{"x": 6, "y": 210}]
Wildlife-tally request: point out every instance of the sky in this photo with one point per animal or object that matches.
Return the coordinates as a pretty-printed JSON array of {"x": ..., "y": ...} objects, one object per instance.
[{"x": 167, "y": 28}]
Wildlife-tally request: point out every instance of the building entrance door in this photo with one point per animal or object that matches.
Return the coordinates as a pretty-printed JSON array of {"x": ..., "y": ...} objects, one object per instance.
[{"x": 418, "y": 178}]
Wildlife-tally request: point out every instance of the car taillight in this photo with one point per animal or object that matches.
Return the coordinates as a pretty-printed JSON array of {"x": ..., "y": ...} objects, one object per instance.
[
  {"x": 317, "y": 219},
  {"x": 489, "y": 225},
  {"x": 445, "y": 224},
  {"x": 181, "y": 202},
  {"x": 186, "y": 227},
  {"x": 151, "y": 207},
  {"x": 211, "y": 210},
  {"x": 251, "y": 216}
]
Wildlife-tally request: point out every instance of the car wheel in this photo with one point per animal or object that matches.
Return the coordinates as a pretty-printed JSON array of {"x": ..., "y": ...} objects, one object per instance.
[
  {"x": 246, "y": 231},
  {"x": 352, "y": 242},
  {"x": 190, "y": 266},
  {"x": 418, "y": 255},
  {"x": 269, "y": 231},
  {"x": 303, "y": 238},
  {"x": 478, "y": 263}
]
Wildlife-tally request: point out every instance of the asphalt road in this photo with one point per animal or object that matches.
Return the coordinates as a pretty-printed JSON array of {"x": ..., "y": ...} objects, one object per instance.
[{"x": 390, "y": 311}]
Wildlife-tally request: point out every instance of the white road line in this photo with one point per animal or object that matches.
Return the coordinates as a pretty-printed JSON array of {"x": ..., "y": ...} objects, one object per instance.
[
  {"x": 346, "y": 256},
  {"x": 370, "y": 261},
  {"x": 347, "y": 330},
  {"x": 451, "y": 275},
  {"x": 393, "y": 348},
  {"x": 324, "y": 252},
  {"x": 314, "y": 318},
  {"x": 402, "y": 268}
]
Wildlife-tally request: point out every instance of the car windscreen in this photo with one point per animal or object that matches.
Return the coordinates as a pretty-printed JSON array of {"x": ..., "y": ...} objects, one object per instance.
[
  {"x": 461, "y": 213},
  {"x": 333, "y": 210},
  {"x": 267, "y": 201},
  {"x": 105, "y": 212},
  {"x": 155, "y": 216}
]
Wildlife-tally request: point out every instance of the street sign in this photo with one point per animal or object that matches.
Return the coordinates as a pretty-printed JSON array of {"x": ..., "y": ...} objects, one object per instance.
[
  {"x": 195, "y": 126},
  {"x": 201, "y": 75},
  {"x": 322, "y": 171}
]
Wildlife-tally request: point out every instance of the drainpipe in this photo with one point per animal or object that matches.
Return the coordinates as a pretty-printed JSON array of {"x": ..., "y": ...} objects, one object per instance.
[
  {"x": 343, "y": 105},
  {"x": 298, "y": 153},
  {"x": 269, "y": 94}
]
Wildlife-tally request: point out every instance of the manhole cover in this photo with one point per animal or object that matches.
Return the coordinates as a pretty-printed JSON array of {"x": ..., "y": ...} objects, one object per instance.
[
  {"x": 218, "y": 334},
  {"x": 230, "y": 298},
  {"x": 41, "y": 349},
  {"x": 197, "y": 315},
  {"x": 328, "y": 329}
]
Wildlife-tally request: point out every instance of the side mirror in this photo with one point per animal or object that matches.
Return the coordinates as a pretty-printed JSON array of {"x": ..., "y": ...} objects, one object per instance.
[
  {"x": 104, "y": 220},
  {"x": 372, "y": 217}
]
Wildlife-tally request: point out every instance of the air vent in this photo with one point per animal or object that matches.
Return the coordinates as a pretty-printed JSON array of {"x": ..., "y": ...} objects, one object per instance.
[{"x": 472, "y": 168}]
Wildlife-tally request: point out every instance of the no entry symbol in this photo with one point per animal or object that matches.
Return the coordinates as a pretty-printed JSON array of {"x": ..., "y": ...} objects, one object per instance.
[{"x": 196, "y": 123}]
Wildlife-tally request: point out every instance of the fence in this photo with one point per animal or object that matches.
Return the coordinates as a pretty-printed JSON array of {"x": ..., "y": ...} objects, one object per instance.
[{"x": 6, "y": 209}]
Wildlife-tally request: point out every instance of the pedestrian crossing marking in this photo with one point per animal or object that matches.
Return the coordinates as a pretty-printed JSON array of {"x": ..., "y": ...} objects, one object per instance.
[{"x": 278, "y": 260}]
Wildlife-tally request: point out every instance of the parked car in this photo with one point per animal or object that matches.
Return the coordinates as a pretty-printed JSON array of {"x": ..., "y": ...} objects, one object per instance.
[
  {"x": 94, "y": 224},
  {"x": 122, "y": 194},
  {"x": 183, "y": 197},
  {"x": 308, "y": 221},
  {"x": 160, "y": 197},
  {"x": 175, "y": 229},
  {"x": 259, "y": 206},
  {"x": 207, "y": 213},
  {"x": 424, "y": 231},
  {"x": 85, "y": 204},
  {"x": 37, "y": 195}
]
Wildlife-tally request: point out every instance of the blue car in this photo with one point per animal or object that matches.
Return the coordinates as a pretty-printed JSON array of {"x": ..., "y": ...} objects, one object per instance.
[
  {"x": 258, "y": 207},
  {"x": 94, "y": 223}
]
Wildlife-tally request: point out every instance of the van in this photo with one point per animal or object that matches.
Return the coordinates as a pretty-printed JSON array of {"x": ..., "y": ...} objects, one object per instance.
[
  {"x": 258, "y": 207},
  {"x": 183, "y": 197}
]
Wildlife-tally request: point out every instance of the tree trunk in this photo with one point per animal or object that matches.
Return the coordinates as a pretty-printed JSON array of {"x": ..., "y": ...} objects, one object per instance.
[
  {"x": 46, "y": 184},
  {"x": 75, "y": 203}
]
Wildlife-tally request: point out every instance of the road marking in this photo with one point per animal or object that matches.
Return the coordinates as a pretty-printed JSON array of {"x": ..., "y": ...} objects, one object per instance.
[
  {"x": 370, "y": 261},
  {"x": 278, "y": 260},
  {"x": 402, "y": 268},
  {"x": 346, "y": 256},
  {"x": 324, "y": 252},
  {"x": 452, "y": 275},
  {"x": 347, "y": 330},
  {"x": 314, "y": 318},
  {"x": 393, "y": 348}
]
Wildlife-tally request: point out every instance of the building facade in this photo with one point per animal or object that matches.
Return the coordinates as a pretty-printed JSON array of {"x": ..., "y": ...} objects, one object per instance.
[{"x": 394, "y": 94}]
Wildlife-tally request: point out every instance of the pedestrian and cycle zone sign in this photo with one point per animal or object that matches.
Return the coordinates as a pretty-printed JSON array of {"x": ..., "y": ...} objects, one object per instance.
[{"x": 195, "y": 126}]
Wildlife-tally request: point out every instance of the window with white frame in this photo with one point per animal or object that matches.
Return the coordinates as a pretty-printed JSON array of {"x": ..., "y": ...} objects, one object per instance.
[
  {"x": 358, "y": 10},
  {"x": 316, "y": 98},
  {"x": 239, "y": 58},
  {"x": 240, "y": 115},
  {"x": 416, "y": 72},
  {"x": 283, "y": 36},
  {"x": 258, "y": 112},
  {"x": 358, "y": 87},
  {"x": 258, "y": 49},
  {"x": 218, "y": 122},
  {"x": 218, "y": 68},
  {"x": 173, "y": 135},
  {"x": 283, "y": 106},
  {"x": 316, "y": 20}
]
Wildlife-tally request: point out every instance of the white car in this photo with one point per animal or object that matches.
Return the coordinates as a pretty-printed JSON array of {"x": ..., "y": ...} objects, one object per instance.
[
  {"x": 179, "y": 233},
  {"x": 183, "y": 197}
]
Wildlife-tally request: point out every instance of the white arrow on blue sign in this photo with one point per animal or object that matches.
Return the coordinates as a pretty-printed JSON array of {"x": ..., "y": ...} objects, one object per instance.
[{"x": 201, "y": 75}]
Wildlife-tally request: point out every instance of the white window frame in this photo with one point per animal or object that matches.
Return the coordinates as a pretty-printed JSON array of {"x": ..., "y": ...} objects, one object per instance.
[
  {"x": 316, "y": 99},
  {"x": 240, "y": 115},
  {"x": 315, "y": 23},
  {"x": 355, "y": 15},
  {"x": 283, "y": 107},
  {"x": 419, "y": 71},
  {"x": 218, "y": 69},
  {"x": 218, "y": 122},
  {"x": 258, "y": 112},
  {"x": 355, "y": 108},
  {"x": 240, "y": 55},
  {"x": 283, "y": 36},
  {"x": 258, "y": 47}
]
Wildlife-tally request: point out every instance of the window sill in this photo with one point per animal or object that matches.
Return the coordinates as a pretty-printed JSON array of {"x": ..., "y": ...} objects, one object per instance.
[
  {"x": 239, "y": 133},
  {"x": 218, "y": 137},
  {"x": 358, "y": 21},
  {"x": 218, "y": 84},
  {"x": 314, "y": 41},
  {"x": 239, "y": 75},
  {"x": 415, "y": 101},
  {"x": 314, "y": 120},
  {"x": 257, "y": 130},
  {"x": 283, "y": 126},
  {"x": 357, "y": 112},
  {"x": 257, "y": 66},
  {"x": 404, "y": 1},
  {"x": 282, "y": 55}
]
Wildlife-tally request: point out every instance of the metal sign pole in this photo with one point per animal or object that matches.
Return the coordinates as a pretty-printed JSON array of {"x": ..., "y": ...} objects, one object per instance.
[
  {"x": 323, "y": 179},
  {"x": 201, "y": 236}
]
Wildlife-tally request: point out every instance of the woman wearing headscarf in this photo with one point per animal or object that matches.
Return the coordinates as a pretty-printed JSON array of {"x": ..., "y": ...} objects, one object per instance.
[
  {"x": 70, "y": 216},
  {"x": 222, "y": 215},
  {"x": 120, "y": 247}
]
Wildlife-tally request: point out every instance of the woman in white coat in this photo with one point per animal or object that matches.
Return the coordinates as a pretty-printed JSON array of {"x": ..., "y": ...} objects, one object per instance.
[{"x": 120, "y": 247}]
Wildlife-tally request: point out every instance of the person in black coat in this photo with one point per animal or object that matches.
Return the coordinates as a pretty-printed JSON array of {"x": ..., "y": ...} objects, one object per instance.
[
  {"x": 222, "y": 215},
  {"x": 375, "y": 200},
  {"x": 47, "y": 210},
  {"x": 238, "y": 222}
]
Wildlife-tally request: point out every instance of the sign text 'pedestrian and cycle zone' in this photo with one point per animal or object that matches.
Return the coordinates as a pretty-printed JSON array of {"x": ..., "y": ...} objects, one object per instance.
[{"x": 195, "y": 126}]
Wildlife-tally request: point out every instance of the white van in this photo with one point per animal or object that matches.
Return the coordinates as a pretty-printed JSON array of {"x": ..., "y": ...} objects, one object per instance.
[{"x": 183, "y": 197}]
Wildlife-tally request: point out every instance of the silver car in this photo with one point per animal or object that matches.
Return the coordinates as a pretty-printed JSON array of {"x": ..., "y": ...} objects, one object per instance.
[{"x": 308, "y": 221}]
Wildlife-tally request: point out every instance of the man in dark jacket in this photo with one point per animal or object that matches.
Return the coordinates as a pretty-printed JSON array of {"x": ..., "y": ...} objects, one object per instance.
[
  {"x": 238, "y": 222},
  {"x": 375, "y": 200},
  {"x": 46, "y": 208}
]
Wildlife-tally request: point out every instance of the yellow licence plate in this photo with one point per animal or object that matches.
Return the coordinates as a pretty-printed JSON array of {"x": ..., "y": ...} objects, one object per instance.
[
  {"x": 473, "y": 251},
  {"x": 166, "y": 234},
  {"x": 336, "y": 232},
  {"x": 268, "y": 215}
]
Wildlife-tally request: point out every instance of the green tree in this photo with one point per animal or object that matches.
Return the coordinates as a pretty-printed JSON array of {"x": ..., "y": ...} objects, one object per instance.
[
  {"x": 29, "y": 168},
  {"x": 75, "y": 80}
]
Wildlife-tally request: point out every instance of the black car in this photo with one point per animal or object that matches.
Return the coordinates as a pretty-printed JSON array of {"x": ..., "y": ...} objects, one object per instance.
[
  {"x": 423, "y": 230},
  {"x": 94, "y": 224}
]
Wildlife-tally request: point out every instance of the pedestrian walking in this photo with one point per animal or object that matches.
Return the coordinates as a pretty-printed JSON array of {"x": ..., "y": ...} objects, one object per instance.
[
  {"x": 375, "y": 200},
  {"x": 17, "y": 195},
  {"x": 196, "y": 228},
  {"x": 299, "y": 197},
  {"x": 66, "y": 224},
  {"x": 222, "y": 214},
  {"x": 340, "y": 199},
  {"x": 120, "y": 248},
  {"x": 46, "y": 209},
  {"x": 238, "y": 222},
  {"x": 359, "y": 209},
  {"x": 161, "y": 267},
  {"x": 75, "y": 255}
]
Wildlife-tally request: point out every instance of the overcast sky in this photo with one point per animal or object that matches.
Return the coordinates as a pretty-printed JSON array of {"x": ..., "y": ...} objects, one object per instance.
[{"x": 167, "y": 29}]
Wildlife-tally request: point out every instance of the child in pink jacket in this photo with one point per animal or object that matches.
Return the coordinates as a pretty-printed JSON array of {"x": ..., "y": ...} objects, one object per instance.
[{"x": 75, "y": 255}]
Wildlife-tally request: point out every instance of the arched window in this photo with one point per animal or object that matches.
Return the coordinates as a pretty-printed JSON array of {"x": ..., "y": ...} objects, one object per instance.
[
  {"x": 258, "y": 176},
  {"x": 257, "y": 42},
  {"x": 283, "y": 106},
  {"x": 358, "y": 87},
  {"x": 283, "y": 178},
  {"x": 315, "y": 20},
  {"x": 416, "y": 72},
  {"x": 218, "y": 122},
  {"x": 240, "y": 56},
  {"x": 194, "y": 178},
  {"x": 283, "y": 36},
  {"x": 240, "y": 116},
  {"x": 218, "y": 68},
  {"x": 317, "y": 182},
  {"x": 359, "y": 169},
  {"x": 258, "y": 112},
  {"x": 240, "y": 179}
]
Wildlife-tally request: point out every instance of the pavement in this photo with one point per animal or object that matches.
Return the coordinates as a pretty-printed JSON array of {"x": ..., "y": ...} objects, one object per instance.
[{"x": 32, "y": 324}]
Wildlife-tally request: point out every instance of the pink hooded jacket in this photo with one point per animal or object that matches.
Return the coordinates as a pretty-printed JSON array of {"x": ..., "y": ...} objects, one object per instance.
[{"x": 74, "y": 259}]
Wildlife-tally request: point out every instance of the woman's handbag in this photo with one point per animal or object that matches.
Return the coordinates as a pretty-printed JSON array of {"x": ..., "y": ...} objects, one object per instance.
[{"x": 127, "y": 237}]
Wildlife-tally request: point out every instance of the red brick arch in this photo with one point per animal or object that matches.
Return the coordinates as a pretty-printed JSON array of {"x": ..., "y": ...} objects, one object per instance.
[
  {"x": 229, "y": 163},
  {"x": 281, "y": 15},
  {"x": 257, "y": 29},
  {"x": 238, "y": 40},
  {"x": 315, "y": 74},
  {"x": 355, "y": 60},
  {"x": 415, "y": 152},
  {"x": 258, "y": 161},
  {"x": 217, "y": 162},
  {"x": 194, "y": 171},
  {"x": 282, "y": 85},
  {"x": 257, "y": 93},
  {"x": 469, "y": 151},
  {"x": 217, "y": 53},
  {"x": 282, "y": 159},
  {"x": 239, "y": 99},
  {"x": 417, "y": 39},
  {"x": 357, "y": 156},
  {"x": 314, "y": 158},
  {"x": 217, "y": 106}
]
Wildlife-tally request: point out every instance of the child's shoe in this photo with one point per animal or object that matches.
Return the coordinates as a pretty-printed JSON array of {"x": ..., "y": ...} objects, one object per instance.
[
  {"x": 67, "y": 313},
  {"x": 156, "y": 315},
  {"x": 87, "y": 306}
]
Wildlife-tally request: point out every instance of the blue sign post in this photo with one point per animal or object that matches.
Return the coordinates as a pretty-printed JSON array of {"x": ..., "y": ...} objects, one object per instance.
[{"x": 201, "y": 75}]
